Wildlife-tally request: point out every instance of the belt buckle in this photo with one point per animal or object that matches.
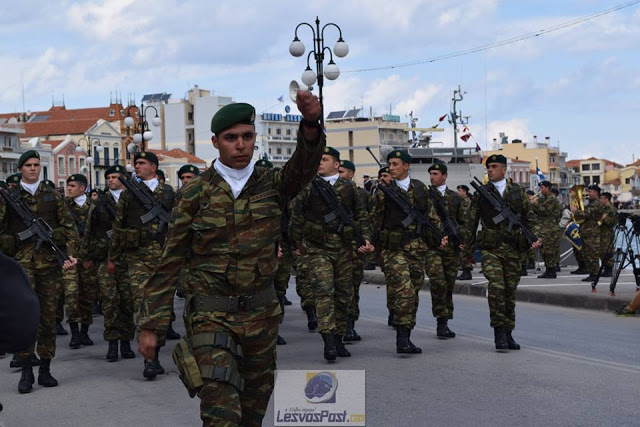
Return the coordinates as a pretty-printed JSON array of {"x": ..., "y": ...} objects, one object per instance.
[{"x": 232, "y": 304}]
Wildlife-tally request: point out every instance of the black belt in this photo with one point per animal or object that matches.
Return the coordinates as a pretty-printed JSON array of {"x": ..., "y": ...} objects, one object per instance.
[{"x": 232, "y": 303}]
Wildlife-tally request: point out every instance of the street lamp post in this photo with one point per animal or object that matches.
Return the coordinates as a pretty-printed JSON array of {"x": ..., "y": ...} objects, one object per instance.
[
  {"x": 331, "y": 71},
  {"x": 89, "y": 160},
  {"x": 141, "y": 131}
]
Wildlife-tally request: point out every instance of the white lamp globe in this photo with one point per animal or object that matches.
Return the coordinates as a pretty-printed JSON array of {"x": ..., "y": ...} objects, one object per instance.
[
  {"x": 89, "y": 160},
  {"x": 131, "y": 147},
  {"x": 147, "y": 135},
  {"x": 129, "y": 168},
  {"x": 308, "y": 77},
  {"x": 331, "y": 71},
  {"x": 128, "y": 121},
  {"x": 84, "y": 169},
  {"x": 296, "y": 48},
  {"x": 137, "y": 138},
  {"x": 341, "y": 48},
  {"x": 79, "y": 149},
  {"x": 157, "y": 121}
]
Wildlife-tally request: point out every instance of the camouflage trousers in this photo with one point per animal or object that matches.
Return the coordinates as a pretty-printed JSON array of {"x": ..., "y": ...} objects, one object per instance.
[
  {"x": 117, "y": 302},
  {"x": 358, "y": 276},
  {"x": 78, "y": 294},
  {"x": 303, "y": 287},
  {"x": 330, "y": 277},
  {"x": 467, "y": 260},
  {"x": 606, "y": 249},
  {"x": 591, "y": 252},
  {"x": 550, "y": 249},
  {"x": 68, "y": 297},
  {"x": 283, "y": 273},
  {"x": 442, "y": 268},
  {"x": 404, "y": 276},
  {"x": 45, "y": 280},
  {"x": 222, "y": 403},
  {"x": 501, "y": 268}
]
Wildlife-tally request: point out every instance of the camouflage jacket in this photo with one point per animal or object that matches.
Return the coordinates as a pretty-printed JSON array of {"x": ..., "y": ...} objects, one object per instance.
[
  {"x": 607, "y": 225},
  {"x": 95, "y": 242},
  {"x": 548, "y": 213},
  {"x": 588, "y": 219},
  {"x": 386, "y": 219},
  {"x": 233, "y": 240},
  {"x": 454, "y": 206},
  {"x": 307, "y": 219},
  {"x": 49, "y": 205}
]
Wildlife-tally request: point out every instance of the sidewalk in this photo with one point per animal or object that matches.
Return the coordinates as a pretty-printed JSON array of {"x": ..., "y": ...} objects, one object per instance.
[{"x": 567, "y": 290}]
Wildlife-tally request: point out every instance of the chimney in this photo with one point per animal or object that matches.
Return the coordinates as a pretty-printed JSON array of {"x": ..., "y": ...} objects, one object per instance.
[{"x": 547, "y": 139}]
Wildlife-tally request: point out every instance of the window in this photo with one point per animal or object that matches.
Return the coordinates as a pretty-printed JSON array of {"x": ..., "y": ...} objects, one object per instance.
[
  {"x": 288, "y": 132},
  {"x": 627, "y": 181},
  {"x": 81, "y": 162},
  {"x": 45, "y": 172},
  {"x": 106, "y": 156},
  {"x": 97, "y": 180},
  {"x": 61, "y": 183},
  {"x": 96, "y": 156},
  {"x": 278, "y": 131},
  {"x": 61, "y": 169},
  {"x": 289, "y": 151},
  {"x": 268, "y": 131},
  {"x": 116, "y": 156},
  {"x": 596, "y": 180},
  {"x": 552, "y": 159},
  {"x": 586, "y": 167},
  {"x": 269, "y": 150},
  {"x": 112, "y": 113},
  {"x": 278, "y": 150},
  {"x": 595, "y": 166},
  {"x": 72, "y": 165},
  {"x": 587, "y": 180}
]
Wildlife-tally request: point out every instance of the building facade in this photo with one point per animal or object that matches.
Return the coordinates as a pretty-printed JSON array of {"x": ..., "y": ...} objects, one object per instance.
[
  {"x": 172, "y": 160},
  {"x": 68, "y": 160},
  {"x": 10, "y": 148},
  {"x": 277, "y": 136}
]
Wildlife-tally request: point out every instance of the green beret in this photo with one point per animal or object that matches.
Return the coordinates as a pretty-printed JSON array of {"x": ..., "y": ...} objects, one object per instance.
[
  {"x": 188, "y": 169},
  {"x": 438, "y": 166},
  {"x": 332, "y": 152},
  {"x": 114, "y": 169},
  {"x": 31, "y": 154},
  {"x": 160, "y": 174},
  {"x": 233, "y": 114},
  {"x": 14, "y": 179},
  {"x": 49, "y": 183},
  {"x": 496, "y": 158},
  {"x": 264, "y": 163},
  {"x": 399, "y": 154},
  {"x": 147, "y": 155},
  {"x": 77, "y": 177},
  {"x": 348, "y": 164},
  {"x": 383, "y": 170}
]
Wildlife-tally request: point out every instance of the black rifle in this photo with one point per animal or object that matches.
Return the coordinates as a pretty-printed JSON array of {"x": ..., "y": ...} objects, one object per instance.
[
  {"x": 76, "y": 218},
  {"x": 338, "y": 210},
  {"x": 449, "y": 224},
  {"x": 36, "y": 227},
  {"x": 505, "y": 213},
  {"x": 107, "y": 205},
  {"x": 155, "y": 210},
  {"x": 413, "y": 213}
]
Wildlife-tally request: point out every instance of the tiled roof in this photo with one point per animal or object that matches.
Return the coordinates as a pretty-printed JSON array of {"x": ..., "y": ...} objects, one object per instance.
[{"x": 177, "y": 153}]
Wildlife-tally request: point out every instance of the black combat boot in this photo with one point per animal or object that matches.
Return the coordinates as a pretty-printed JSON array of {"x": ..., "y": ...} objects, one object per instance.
[
  {"x": 280, "y": 341},
  {"x": 351, "y": 333},
  {"x": 171, "y": 333},
  {"x": 60, "y": 330},
  {"x": 149, "y": 371},
  {"x": 414, "y": 349},
  {"x": 84, "y": 335},
  {"x": 125, "y": 350},
  {"x": 341, "y": 350},
  {"x": 355, "y": 333},
  {"x": 442, "y": 330},
  {"x": 97, "y": 308},
  {"x": 608, "y": 272},
  {"x": 112, "y": 353},
  {"x": 510, "y": 341},
  {"x": 590, "y": 278},
  {"x": 465, "y": 275},
  {"x": 330, "y": 353},
  {"x": 402, "y": 339},
  {"x": 75, "y": 336},
  {"x": 26, "y": 379},
  {"x": 500, "y": 338},
  {"x": 156, "y": 361},
  {"x": 523, "y": 271},
  {"x": 312, "y": 318},
  {"x": 286, "y": 301},
  {"x": 581, "y": 269},
  {"x": 45, "y": 378},
  {"x": 549, "y": 273}
]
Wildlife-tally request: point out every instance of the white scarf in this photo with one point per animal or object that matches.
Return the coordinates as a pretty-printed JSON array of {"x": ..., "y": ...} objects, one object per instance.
[
  {"x": 442, "y": 189},
  {"x": 236, "y": 178},
  {"x": 151, "y": 183},
  {"x": 31, "y": 188},
  {"x": 331, "y": 179},
  {"x": 500, "y": 186},
  {"x": 404, "y": 183},
  {"x": 80, "y": 200},
  {"x": 116, "y": 194}
]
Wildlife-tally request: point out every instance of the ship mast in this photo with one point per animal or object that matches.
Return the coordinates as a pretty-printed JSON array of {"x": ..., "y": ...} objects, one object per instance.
[{"x": 456, "y": 118}]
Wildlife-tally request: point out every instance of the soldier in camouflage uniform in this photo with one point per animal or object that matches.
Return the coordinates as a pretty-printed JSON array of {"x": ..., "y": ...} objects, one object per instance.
[
  {"x": 384, "y": 176},
  {"x": 501, "y": 249},
  {"x": 141, "y": 245},
  {"x": 607, "y": 233},
  {"x": 330, "y": 246},
  {"x": 467, "y": 259},
  {"x": 41, "y": 267},
  {"x": 347, "y": 170},
  {"x": 230, "y": 218},
  {"x": 403, "y": 249},
  {"x": 590, "y": 231},
  {"x": 548, "y": 211},
  {"x": 115, "y": 289},
  {"x": 303, "y": 287},
  {"x": 442, "y": 263},
  {"x": 81, "y": 289}
]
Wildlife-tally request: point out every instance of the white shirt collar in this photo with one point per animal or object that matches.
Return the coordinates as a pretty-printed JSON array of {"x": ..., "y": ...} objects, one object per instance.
[
  {"x": 500, "y": 185},
  {"x": 442, "y": 189},
  {"x": 31, "y": 188},
  {"x": 116, "y": 194},
  {"x": 404, "y": 183},
  {"x": 331, "y": 179},
  {"x": 152, "y": 183},
  {"x": 80, "y": 200},
  {"x": 236, "y": 178}
]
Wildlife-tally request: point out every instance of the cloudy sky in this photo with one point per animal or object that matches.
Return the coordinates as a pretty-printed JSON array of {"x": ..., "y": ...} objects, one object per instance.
[{"x": 580, "y": 85}]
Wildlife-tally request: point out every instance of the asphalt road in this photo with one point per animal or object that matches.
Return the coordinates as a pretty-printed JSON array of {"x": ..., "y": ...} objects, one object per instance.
[{"x": 577, "y": 367}]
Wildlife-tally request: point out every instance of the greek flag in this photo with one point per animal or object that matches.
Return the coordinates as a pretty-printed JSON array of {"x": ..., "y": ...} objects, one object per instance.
[{"x": 540, "y": 174}]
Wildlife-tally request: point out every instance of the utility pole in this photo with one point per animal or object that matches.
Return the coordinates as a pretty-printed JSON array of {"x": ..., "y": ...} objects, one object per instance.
[{"x": 456, "y": 117}]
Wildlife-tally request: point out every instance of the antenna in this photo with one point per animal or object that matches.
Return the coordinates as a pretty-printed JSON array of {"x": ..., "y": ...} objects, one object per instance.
[{"x": 23, "y": 107}]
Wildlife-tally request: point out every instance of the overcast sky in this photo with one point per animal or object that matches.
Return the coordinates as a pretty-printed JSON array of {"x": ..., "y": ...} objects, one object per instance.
[{"x": 580, "y": 85}]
